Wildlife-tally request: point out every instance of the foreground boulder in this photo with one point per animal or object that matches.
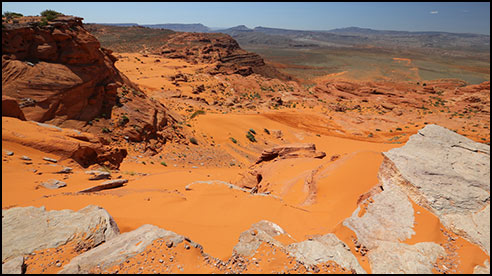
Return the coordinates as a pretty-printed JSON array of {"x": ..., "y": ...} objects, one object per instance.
[
  {"x": 27, "y": 229},
  {"x": 449, "y": 175},
  {"x": 119, "y": 249},
  {"x": 309, "y": 252}
]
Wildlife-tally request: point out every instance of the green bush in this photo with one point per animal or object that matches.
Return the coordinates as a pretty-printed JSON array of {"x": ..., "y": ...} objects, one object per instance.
[
  {"x": 267, "y": 131},
  {"x": 123, "y": 120},
  {"x": 233, "y": 140},
  {"x": 252, "y": 131},
  {"x": 50, "y": 14},
  {"x": 250, "y": 136},
  {"x": 10, "y": 15},
  {"x": 105, "y": 130},
  {"x": 193, "y": 141},
  {"x": 163, "y": 164},
  {"x": 398, "y": 128},
  {"x": 196, "y": 113}
]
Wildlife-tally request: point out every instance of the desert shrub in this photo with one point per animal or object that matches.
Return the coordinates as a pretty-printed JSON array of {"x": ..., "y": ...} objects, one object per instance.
[
  {"x": 196, "y": 113},
  {"x": 266, "y": 130},
  {"x": 370, "y": 135},
  {"x": 233, "y": 140},
  {"x": 252, "y": 131},
  {"x": 105, "y": 130},
  {"x": 250, "y": 136},
  {"x": 123, "y": 121},
  {"x": 398, "y": 128},
  {"x": 10, "y": 15},
  {"x": 377, "y": 129},
  {"x": 163, "y": 164},
  {"x": 50, "y": 14},
  {"x": 193, "y": 141}
]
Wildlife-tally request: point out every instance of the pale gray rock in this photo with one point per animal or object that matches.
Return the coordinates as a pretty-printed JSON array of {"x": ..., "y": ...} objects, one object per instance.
[
  {"x": 65, "y": 170},
  {"x": 485, "y": 269},
  {"x": 105, "y": 185},
  {"x": 9, "y": 153},
  {"x": 309, "y": 252},
  {"x": 251, "y": 239},
  {"x": 14, "y": 266},
  {"x": 390, "y": 217},
  {"x": 23, "y": 157},
  {"x": 400, "y": 258},
  {"x": 119, "y": 249},
  {"x": 325, "y": 248},
  {"x": 50, "y": 159},
  {"x": 27, "y": 229},
  {"x": 100, "y": 175},
  {"x": 449, "y": 175},
  {"x": 53, "y": 184}
]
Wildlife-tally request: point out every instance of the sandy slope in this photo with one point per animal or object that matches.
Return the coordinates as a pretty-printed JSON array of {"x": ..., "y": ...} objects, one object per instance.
[{"x": 209, "y": 212}]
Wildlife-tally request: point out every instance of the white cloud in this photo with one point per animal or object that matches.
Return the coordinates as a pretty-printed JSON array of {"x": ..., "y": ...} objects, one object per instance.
[{"x": 434, "y": 12}]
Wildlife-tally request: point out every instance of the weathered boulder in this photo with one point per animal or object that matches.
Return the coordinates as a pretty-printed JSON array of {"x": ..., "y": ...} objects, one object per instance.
[
  {"x": 14, "y": 266},
  {"x": 119, "y": 249},
  {"x": 53, "y": 184},
  {"x": 251, "y": 239},
  {"x": 390, "y": 218},
  {"x": 10, "y": 108},
  {"x": 27, "y": 229},
  {"x": 400, "y": 258},
  {"x": 110, "y": 184},
  {"x": 325, "y": 248},
  {"x": 449, "y": 175},
  {"x": 309, "y": 252}
]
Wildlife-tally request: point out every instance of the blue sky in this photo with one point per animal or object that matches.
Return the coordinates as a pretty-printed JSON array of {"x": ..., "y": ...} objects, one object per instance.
[{"x": 456, "y": 17}]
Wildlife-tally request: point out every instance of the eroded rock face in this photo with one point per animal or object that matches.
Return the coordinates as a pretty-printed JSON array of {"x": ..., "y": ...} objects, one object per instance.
[
  {"x": 449, "y": 175},
  {"x": 220, "y": 48},
  {"x": 27, "y": 229},
  {"x": 60, "y": 68},
  {"x": 119, "y": 249},
  {"x": 85, "y": 148},
  {"x": 59, "y": 75}
]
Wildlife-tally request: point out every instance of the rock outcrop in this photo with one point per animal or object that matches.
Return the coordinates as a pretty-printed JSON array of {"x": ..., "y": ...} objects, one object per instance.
[
  {"x": 10, "y": 108},
  {"x": 27, "y": 229},
  {"x": 85, "y": 148},
  {"x": 309, "y": 252},
  {"x": 220, "y": 49},
  {"x": 449, "y": 175},
  {"x": 439, "y": 170},
  {"x": 290, "y": 151},
  {"x": 119, "y": 249},
  {"x": 252, "y": 179},
  {"x": 59, "y": 75}
]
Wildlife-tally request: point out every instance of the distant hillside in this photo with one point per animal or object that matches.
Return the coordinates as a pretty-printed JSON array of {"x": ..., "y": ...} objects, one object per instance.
[
  {"x": 128, "y": 39},
  {"x": 442, "y": 42},
  {"x": 195, "y": 28}
]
